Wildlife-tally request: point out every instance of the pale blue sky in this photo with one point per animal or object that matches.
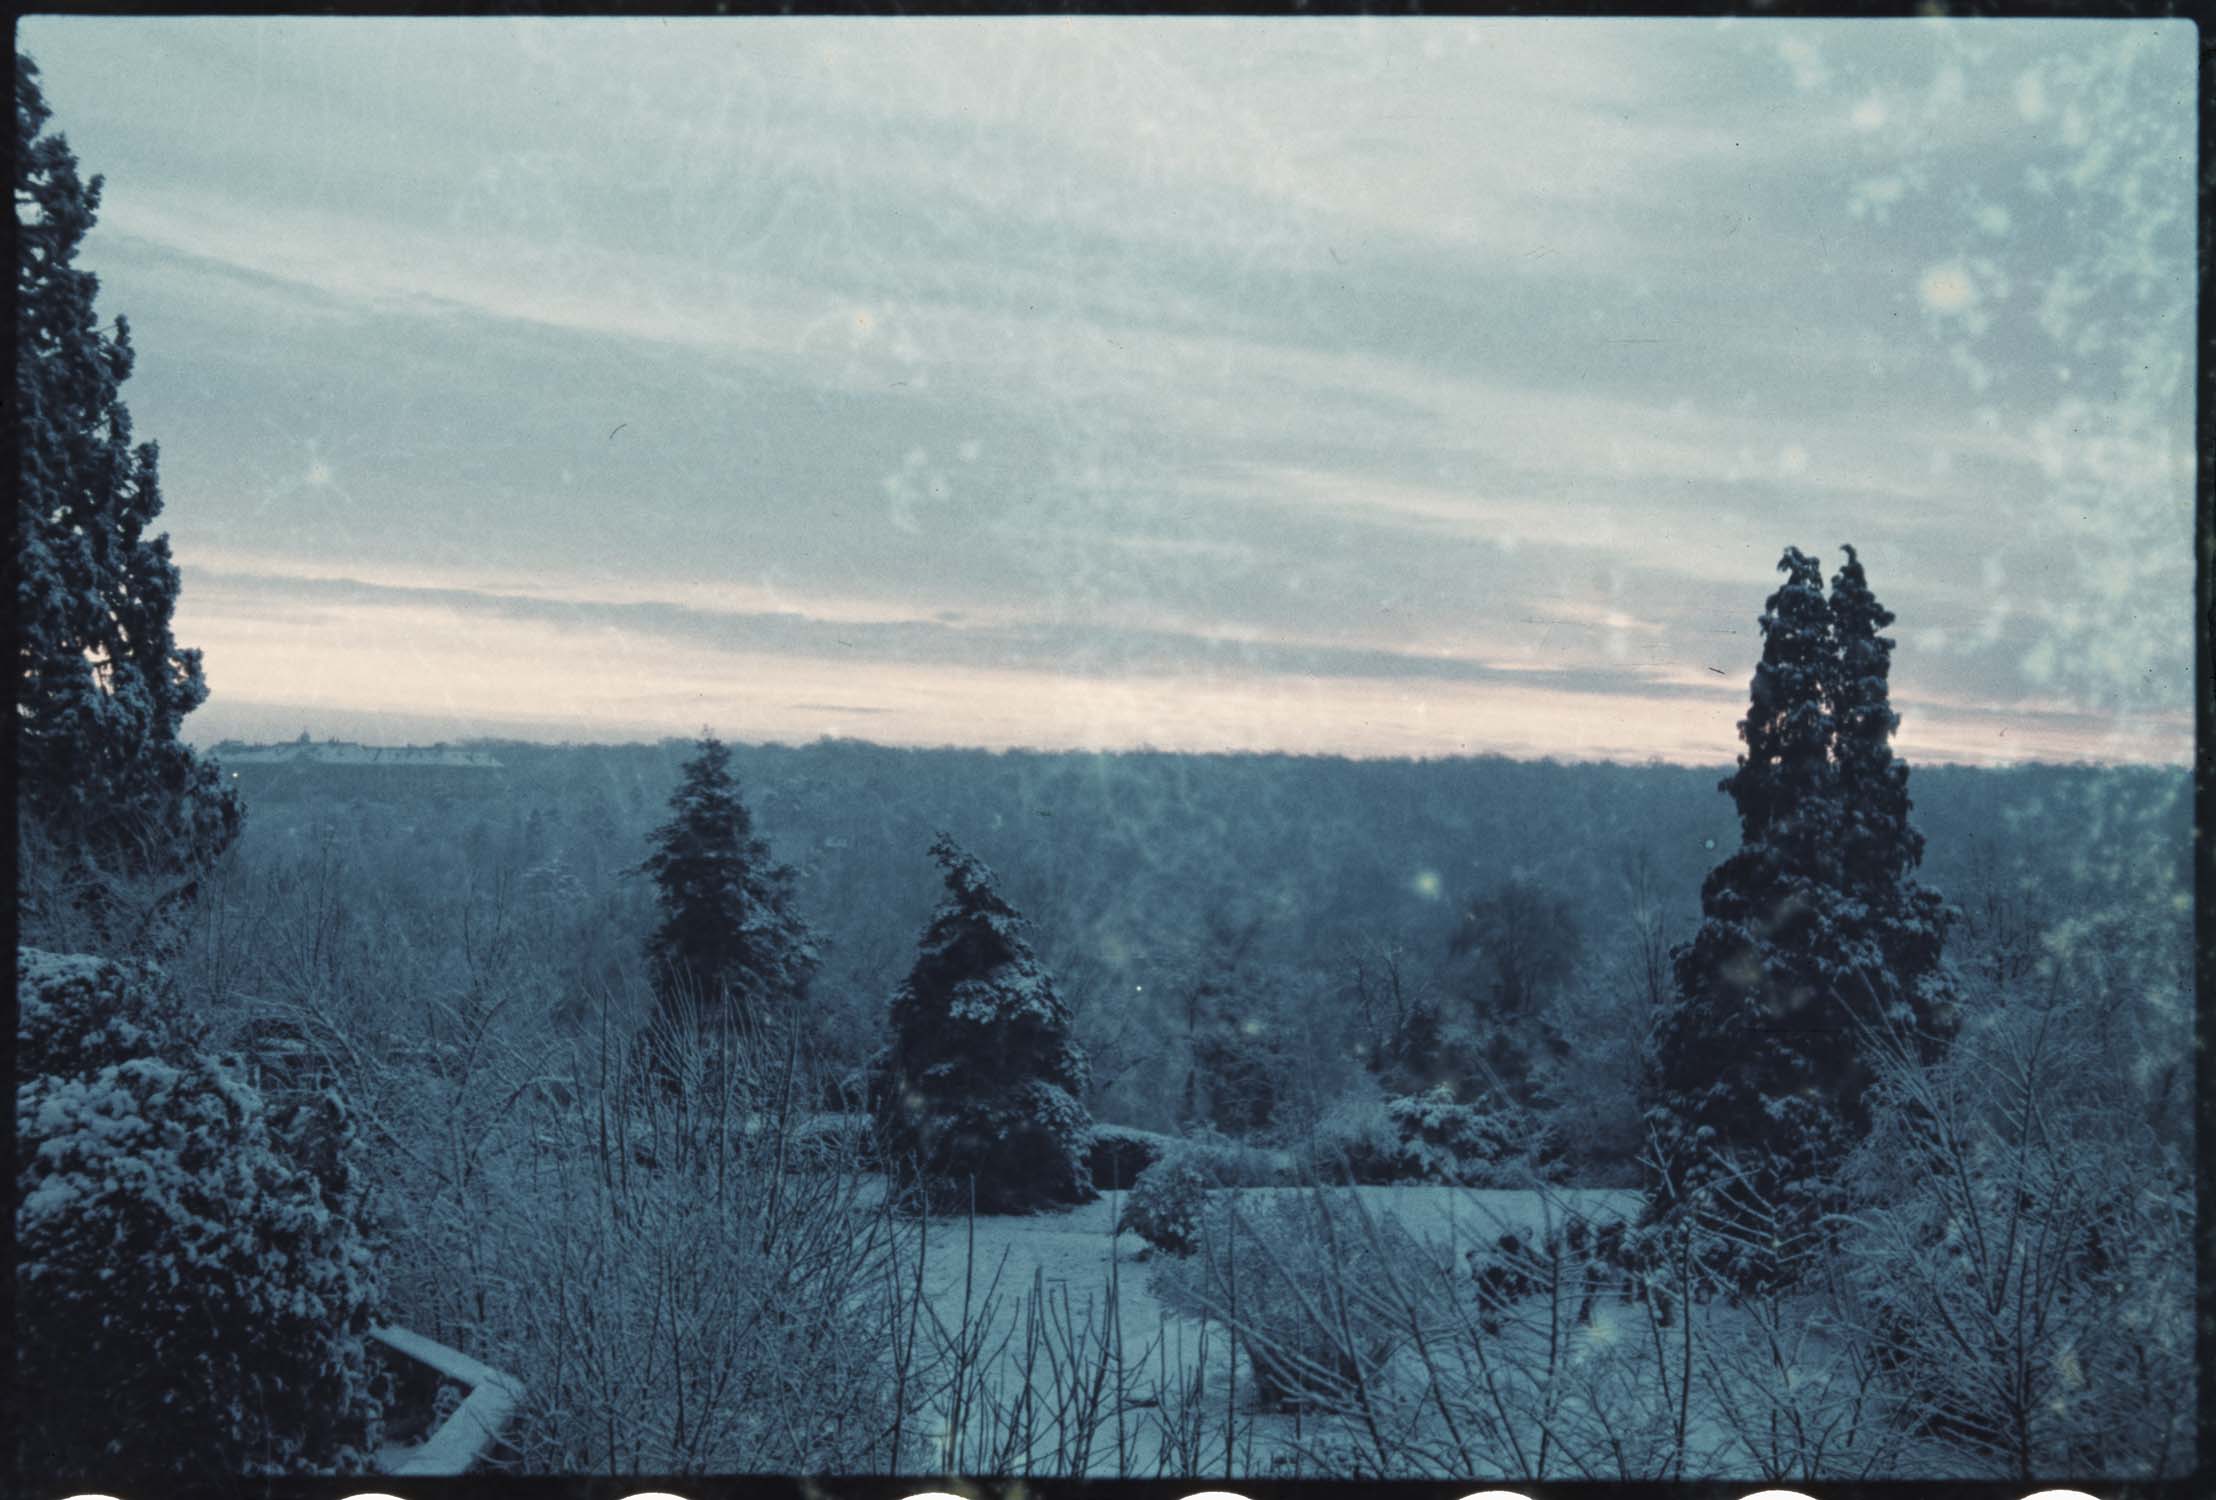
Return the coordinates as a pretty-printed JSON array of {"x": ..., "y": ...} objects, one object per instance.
[{"x": 1388, "y": 387}]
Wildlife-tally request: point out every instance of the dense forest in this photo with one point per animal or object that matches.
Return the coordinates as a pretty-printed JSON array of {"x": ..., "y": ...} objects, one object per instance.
[{"x": 1276, "y": 886}]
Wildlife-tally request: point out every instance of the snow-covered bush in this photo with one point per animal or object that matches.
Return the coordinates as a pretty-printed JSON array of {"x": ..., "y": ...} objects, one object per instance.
[
  {"x": 78, "y": 1014},
  {"x": 190, "y": 1296},
  {"x": 1232, "y": 1162},
  {"x": 1355, "y": 1143},
  {"x": 1297, "y": 1276},
  {"x": 1116, "y": 1155},
  {"x": 1491, "y": 1143},
  {"x": 1166, "y": 1202}
]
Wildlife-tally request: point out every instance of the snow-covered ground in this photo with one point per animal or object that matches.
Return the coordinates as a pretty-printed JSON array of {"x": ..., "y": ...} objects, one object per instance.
[{"x": 1046, "y": 1281}]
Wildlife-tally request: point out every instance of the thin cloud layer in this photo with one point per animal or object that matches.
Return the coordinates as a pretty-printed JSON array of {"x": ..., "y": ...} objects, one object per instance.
[{"x": 1092, "y": 385}]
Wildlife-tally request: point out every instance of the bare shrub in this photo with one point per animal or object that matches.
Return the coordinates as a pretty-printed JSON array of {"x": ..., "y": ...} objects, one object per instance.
[
  {"x": 685, "y": 1282},
  {"x": 2023, "y": 1261},
  {"x": 1286, "y": 1273}
]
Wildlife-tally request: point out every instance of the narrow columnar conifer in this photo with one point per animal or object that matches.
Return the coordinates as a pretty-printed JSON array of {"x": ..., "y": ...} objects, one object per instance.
[
  {"x": 1898, "y": 927},
  {"x": 101, "y": 684},
  {"x": 1812, "y": 933}
]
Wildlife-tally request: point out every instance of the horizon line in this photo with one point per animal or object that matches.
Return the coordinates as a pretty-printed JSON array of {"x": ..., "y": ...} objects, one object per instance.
[{"x": 209, "y": 748}]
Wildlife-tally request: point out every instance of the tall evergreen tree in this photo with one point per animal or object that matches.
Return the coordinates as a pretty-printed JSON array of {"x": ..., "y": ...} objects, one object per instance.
[
  {"x": 101, "y": 683},
  {"x": 1745, "y": 1114},
  {"x": 730, "y": 941},
  {"x": 1901, "y": 925},
  {"x": 1879, "y": 847},
  {"x": 1812, "y": 929},
  {"x": 981, "y": 1086}
]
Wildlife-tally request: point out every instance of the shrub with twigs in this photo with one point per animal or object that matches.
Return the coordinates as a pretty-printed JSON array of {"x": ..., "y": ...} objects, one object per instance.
[
  {"x": 1166, "y": 1204},
  {"x": 688, "y": 1279},
  {"x": 1290, "y": 1274},
  {"x": 2022, "y": 1261}
]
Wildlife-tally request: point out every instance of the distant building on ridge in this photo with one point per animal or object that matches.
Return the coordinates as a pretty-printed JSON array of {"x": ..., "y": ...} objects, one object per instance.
[{"x": 342, "y": 770}]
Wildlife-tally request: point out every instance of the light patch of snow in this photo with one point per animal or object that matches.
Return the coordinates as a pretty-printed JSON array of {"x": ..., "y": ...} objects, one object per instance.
[
  {"x": 37, "y": 969},
  {"x": 465, "y": 1436},
  {"x": 1071, "y": 1253}
]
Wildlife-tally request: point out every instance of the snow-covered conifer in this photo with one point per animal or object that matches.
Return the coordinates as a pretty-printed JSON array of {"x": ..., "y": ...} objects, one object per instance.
[
  {"x": 1901, "y": 926},
  {"x": 1812, "y": 931},
  {"x": 1749, "y": 1056},
  {"x": 730, "y": 941},
  {"x": 77, "y": 1014},
  {"x": 101, "y": 683},
  {"x": 982, "y": 1083}
]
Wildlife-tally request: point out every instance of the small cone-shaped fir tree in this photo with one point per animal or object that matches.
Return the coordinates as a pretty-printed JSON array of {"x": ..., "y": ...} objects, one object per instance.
[
  {"x": 981, "y": 1086},
  {"x": 730, "y": 946},
  {"x": 101, "y": 683},
  {"x": 1748, "y": 1060}
]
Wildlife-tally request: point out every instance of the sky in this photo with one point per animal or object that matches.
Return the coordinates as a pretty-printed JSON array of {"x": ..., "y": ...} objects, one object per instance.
[{"x": 1366, "y": 386}]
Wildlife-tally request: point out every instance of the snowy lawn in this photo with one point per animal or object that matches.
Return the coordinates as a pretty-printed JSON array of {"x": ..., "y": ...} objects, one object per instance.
[{"x": 1030, "y": 1296}]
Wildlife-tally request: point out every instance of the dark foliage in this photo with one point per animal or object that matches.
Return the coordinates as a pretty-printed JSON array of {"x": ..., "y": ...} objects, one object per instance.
[
  {"x": 1233, "y": 1073},
  {"x": 102, "y": 780},
  {"x": 730, "y": 945},
  {"x": 1811, "y": 932},
  {"x": 1116, "y": 1155},
  {"x": 1236, "y": 1076},
  {"x": 192, "y": 1285},
  {"x": 1525, "y": 937},
  {"x": 979, "y": 1092}
]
